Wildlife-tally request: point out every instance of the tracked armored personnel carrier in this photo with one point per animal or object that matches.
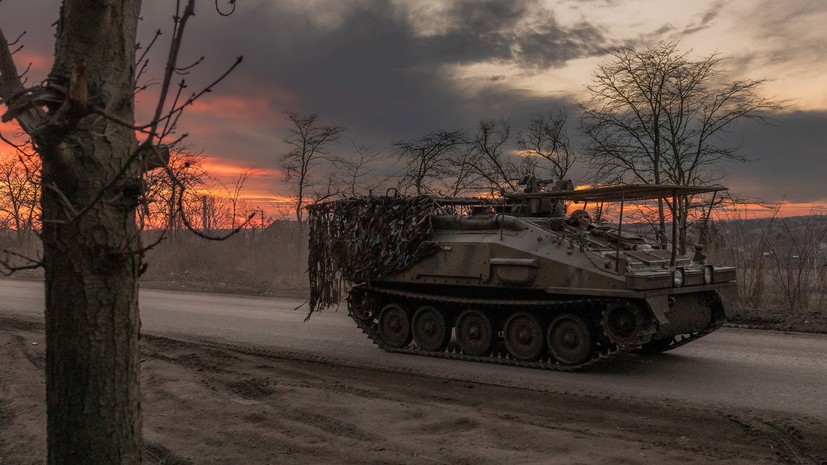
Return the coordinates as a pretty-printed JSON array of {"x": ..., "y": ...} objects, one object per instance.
[{"x": 516, "y": 280}]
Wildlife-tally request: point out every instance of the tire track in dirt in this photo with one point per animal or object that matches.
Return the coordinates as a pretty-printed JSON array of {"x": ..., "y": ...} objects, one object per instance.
[
  {"x": 261, "y": 389},
  {"x": 207, "y": 403},
  {"x": 786, "y": 440},
  {"x": 256, "y": 389},
  {"x": 158, "y": 454}
]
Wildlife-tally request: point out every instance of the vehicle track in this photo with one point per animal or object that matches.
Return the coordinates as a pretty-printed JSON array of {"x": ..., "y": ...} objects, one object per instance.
[{"x": 369, "y": 326}]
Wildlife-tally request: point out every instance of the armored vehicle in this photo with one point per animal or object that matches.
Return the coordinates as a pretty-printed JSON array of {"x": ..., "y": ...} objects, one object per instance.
[{"x": 515, "y": 280}]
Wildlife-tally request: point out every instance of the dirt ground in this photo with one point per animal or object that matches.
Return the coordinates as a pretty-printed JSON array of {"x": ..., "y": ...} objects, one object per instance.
[{"x": 206, "y": 404}]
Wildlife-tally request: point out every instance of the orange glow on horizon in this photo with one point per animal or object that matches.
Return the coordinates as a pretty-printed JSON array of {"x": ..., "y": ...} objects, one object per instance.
[
  {"x": 219, "y": 167},
  {"x": 270, "y": 198},
  {"x": 238, "y": 108},
  {"x": 785, "y": 209}
]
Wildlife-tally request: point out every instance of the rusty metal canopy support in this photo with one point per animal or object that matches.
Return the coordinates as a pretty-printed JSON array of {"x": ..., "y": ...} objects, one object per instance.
[{"x": 626, "y": 193}]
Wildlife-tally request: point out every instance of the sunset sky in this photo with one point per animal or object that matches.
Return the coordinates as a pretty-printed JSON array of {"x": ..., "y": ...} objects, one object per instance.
[{"x": 390, "y": 70}]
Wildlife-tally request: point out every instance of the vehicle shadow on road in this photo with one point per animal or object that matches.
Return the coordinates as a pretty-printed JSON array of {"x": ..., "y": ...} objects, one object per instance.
[{"x": 643, "y": 364}]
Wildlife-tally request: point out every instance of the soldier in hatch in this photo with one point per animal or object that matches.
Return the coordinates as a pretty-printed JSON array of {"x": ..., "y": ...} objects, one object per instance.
[{"x": 581, "y": 220}]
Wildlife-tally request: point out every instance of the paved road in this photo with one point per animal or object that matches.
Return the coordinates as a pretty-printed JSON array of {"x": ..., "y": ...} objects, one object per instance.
[{"x": 729, "y": 369}]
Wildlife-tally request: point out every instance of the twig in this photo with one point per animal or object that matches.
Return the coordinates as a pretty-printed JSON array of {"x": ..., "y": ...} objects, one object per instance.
[
  {"x": 232, "y": 9},
  {"x": 169, "y": 125},
  {"x": 5, "y": 263},
  {"x": 177, "y": 38},
  {"x": 198, "y": 233},
  {"x": 144, "y": 63},
  {"x": 175, "y": 113},
  {"x": 64, "y": 200},
  {"x": 17, "y": 147},
  {"x": 185, "y": 69}
]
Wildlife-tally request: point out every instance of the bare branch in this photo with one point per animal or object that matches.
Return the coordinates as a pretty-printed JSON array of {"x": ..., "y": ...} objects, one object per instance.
[
  {"x": 10, "y": 86},
  {"x": 185, "y": 69},
  {"x": 546, "y": 140},
  {"x": 143, "y": 64},
  {"x": 172, "y": 116},
  {"x": 225, "y": 13},
  {"x": 11, "y": 143},
  {"x": 492, "y": 161},
  {"x": 308, "y": 139},
  {"x": 428, "y": 159},
  {"x": 7, "y": 267},
  {"x": 357, "y": 171},
  {"x": 172, "y": 59},
  {"x": 74, "y": 214},
  {"x": 202, "y": 235}
]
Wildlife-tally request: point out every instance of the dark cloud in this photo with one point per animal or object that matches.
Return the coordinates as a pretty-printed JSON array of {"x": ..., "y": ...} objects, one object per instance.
[
  {"x": 784, "y": 31},
  {"x": 788, "y": 157},
  {"x": 780, "y": 19},
  {"x": 372, "y": 71},
  {"x": 704, "y": 21},
  {"x": 712, "y": 13},
  {"x": 664, "y": 30},
  {"x": 521, "y": 32},
  {"x": 365, "y": 66}
]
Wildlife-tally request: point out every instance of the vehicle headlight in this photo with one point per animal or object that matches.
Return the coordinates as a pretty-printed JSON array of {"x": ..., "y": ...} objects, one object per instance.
[
  {"x": 677, "y": 277},
  {"x": 709, "y": 274}
]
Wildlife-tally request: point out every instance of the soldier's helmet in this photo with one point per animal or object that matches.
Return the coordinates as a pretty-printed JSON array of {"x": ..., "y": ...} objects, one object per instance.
[{"x": 580, "y": 219}]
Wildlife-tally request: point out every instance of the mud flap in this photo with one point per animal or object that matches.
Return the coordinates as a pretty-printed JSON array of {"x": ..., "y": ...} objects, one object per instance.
[
  {"x": 659, "y": 305},
  {"x": 729, "y": 300}
]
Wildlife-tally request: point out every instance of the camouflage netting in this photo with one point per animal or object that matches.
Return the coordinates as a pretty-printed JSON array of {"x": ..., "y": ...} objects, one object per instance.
[{"x": 355, "y": 240}]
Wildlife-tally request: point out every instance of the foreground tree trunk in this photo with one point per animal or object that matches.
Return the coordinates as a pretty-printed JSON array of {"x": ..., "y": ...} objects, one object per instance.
[
  {"x": 92, "y": 262},
  {"x": 91, "y": 186}
]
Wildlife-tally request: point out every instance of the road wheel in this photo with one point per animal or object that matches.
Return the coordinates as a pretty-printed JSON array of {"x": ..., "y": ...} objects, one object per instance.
[
  {"x": 523, "y": 336},
  {"x": 395, "y": 325},
  {"x": 569, "y": 340},
  {"x": 431, "y": 330},
  {"x": 475, "y": 332}
]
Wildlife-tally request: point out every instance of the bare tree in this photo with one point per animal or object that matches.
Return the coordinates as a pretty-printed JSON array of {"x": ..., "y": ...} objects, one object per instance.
[
  {"x": 358, "y": 173},
  {"x": 81, "y": 123},
  {"x": 428, "y": 159},
  {"x": 172, "y": 192},
  {"x": 308, "y": 140},
  {"x": 546, "y": 144},
  {"x": 657, "y": 116},
  {"x": 796, "y": 260},
  {"x": 234, "y": 194},
  {"x": 466, "y": 177},
  {"x": 492, "y": 160},
  {"x": 20, "y": 194},
  {"x": 215, "y": 212},
  {"x": 743, "y": 244}
]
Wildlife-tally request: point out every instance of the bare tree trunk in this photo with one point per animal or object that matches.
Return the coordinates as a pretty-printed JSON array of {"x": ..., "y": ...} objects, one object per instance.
[
  {"x": 91, "y": 241},
  {"x": 92, "y": 325}
]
